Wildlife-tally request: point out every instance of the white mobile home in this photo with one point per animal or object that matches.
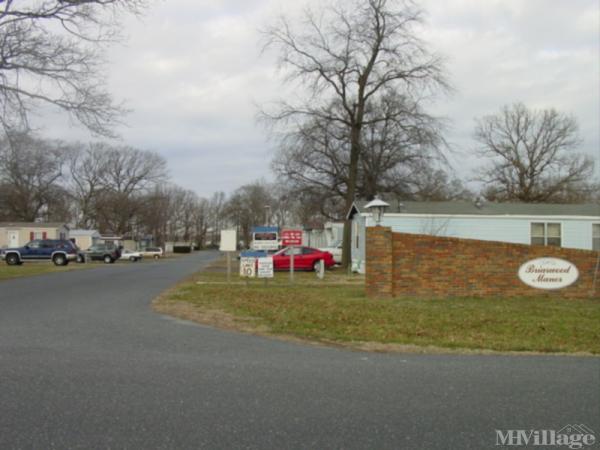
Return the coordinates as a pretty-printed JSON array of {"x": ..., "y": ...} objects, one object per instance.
[
  {"x": 17, "y": 234},
  {"x": 569, "y": 226}
]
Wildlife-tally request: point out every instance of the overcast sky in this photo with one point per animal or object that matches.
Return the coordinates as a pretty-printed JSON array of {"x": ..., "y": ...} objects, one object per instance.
[{"x": 192, "y": 72}]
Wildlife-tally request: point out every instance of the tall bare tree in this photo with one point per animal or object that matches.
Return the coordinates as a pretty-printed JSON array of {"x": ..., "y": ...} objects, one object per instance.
[
  {"x": 51, "y": 53},
  {"x": 396, "y": 150},
  {"x": 31, "y": 170},
  {"x": 351, "y": 55},
  {"x": 87, "y": 164},
  {"x": 532, "y": 156},
  {"x": 110, "y": 184},
  {"x": 128, "y": 175}
]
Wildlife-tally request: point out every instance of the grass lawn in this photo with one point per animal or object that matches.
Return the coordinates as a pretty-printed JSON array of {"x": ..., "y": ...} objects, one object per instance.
[
  {"x": 336, "y": 310},
  {"x": 35, "y": 268}
]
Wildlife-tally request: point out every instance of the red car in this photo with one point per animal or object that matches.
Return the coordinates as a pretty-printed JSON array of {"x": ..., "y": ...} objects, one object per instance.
[{"x": 305, "y": 258}]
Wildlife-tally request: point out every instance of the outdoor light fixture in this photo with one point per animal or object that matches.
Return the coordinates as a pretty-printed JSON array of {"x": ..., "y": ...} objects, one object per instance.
[{"x": 377, "y": 207}]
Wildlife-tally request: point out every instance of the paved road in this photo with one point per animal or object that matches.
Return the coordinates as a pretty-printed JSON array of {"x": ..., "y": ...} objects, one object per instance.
[{"x": 85, "y": 363}]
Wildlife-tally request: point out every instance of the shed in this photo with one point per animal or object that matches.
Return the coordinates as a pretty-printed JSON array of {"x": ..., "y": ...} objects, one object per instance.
[
  {"x": 564, "y": 225},
  {"x": 17, "y": 234},
  {"x": 84, "y": 238}
]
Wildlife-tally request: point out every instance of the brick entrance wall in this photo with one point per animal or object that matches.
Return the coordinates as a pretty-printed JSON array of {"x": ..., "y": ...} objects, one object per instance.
[{"x": 409, "y": 265}]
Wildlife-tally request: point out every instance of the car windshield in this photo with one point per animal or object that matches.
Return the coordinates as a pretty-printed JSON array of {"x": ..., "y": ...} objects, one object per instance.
[
  {"x": 288, "y": 251},
  {"x": 336, "y": 244}
]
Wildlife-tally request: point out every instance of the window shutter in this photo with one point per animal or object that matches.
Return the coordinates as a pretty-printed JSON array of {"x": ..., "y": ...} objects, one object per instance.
[
  {"x": 44, "y": 235},
  {"x": 31, "y": 236}
]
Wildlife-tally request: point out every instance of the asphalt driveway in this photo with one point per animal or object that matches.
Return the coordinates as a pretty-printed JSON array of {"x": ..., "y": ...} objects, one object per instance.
[{"x": 85, "y": 363}]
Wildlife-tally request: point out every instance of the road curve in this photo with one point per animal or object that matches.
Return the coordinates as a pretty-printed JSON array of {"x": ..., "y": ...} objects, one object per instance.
[{"x": 85, "y": 363}]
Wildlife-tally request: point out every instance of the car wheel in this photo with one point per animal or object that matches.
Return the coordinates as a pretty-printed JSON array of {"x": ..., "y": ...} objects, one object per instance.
[
  {"x": 316, "y": 265},
  {"x": 80, "y": 259},
  {"x": 12, "y": 260},
  {"x": 156, "y": 256},
  {"x": 133, "y": 259},
  {"x": 108, "y": 259},
  {"x": 59, "y": 260}
]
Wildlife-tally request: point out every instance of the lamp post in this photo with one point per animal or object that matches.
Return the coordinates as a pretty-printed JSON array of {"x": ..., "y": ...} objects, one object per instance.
[{"x": 377, "y": 208}]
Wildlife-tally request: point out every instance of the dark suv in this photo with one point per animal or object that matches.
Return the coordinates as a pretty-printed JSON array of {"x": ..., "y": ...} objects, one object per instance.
[
  {"x": 103, "y": 252},
  {"x": 59, "y": 251}
]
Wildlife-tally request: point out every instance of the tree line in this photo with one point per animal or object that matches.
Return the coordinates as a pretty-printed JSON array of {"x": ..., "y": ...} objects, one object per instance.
[{"x": 124, "y": 191}]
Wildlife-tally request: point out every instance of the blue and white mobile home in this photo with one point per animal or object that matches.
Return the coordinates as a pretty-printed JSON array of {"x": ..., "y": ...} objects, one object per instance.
[{"x": 569, "y": 226}]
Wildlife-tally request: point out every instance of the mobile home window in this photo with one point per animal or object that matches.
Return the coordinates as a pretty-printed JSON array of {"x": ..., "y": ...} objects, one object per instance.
[
  {"x": 596, "y": 236},
  {"x": 543, "y": 233}
]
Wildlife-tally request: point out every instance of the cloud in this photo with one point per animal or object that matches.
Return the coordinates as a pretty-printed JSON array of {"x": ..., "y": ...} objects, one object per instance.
[
  {"x": 193, "y": 71},
  {"x": 542, "y": 53}
]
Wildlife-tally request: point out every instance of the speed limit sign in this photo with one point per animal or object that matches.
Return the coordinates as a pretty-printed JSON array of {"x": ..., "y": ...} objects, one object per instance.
[{"x": 247, "y": 267}]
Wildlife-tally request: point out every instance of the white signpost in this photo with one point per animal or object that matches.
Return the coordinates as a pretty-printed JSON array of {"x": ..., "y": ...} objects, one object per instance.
[
  {"x": 548, "y": 273},
  {"x": 248, "y": 267},
  {"x": 228, "y": 244}
]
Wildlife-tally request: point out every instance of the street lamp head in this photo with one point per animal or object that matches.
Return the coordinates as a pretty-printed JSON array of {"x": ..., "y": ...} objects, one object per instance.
[{"x": 377, "y": 208}]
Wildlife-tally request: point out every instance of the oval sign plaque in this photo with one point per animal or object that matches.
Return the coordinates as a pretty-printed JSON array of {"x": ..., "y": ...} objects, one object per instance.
[{"x": 548, "y": 273}]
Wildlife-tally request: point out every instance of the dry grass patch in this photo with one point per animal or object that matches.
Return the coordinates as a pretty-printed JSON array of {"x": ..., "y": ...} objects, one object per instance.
[
  {"x": 336, "y": 310},
  {"x": 29, "y": 269}
]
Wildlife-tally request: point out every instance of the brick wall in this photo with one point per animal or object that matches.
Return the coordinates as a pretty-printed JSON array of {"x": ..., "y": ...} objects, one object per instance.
[
  {"x": 409, "y": 265},
  {"x": 379, "y": 254}
]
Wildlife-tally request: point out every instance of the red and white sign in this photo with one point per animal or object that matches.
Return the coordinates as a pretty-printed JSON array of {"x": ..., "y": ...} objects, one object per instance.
[{"x": 291, "y": 237}]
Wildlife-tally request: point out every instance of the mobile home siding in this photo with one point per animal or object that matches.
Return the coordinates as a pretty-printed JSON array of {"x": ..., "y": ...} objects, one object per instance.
[
  {"x": 575, "y": 232},
  {"x": 25, "y": 233}
]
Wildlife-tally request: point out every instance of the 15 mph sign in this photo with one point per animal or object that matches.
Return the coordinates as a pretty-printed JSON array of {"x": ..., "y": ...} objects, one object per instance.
[{"x": 291, "y": 237}]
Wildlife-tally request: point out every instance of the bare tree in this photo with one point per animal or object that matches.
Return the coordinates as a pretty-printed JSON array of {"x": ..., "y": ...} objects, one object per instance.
[
  {"x": 533, "y": 156},
  {"x": 130, "y": 170},
  {"x": 351, "y": 55},
  {"x": 110, "y": 184},
  {"x": 246, "y": 207},
  {"x": 181, "y": 224},
  {"x": 201, "y": 219},
  {"x": 51, "y": 53},
  {"x": 216, "y": 212},
  {"x": 396, "y": 150},
  {"x": 31, "y": 170},
  {"x": 429, "y": 183},
  {"x": 87, "y": 164},
  {"x": 129, "y": 174},
  {"x": 154, "y": 214}
]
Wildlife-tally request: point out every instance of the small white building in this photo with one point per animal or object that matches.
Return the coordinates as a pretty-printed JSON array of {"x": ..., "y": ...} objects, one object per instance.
[
  {"x": 17, "y": 234},
  {"x": 570, "y": 226},
  {"x": 84, "y": 239}
]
